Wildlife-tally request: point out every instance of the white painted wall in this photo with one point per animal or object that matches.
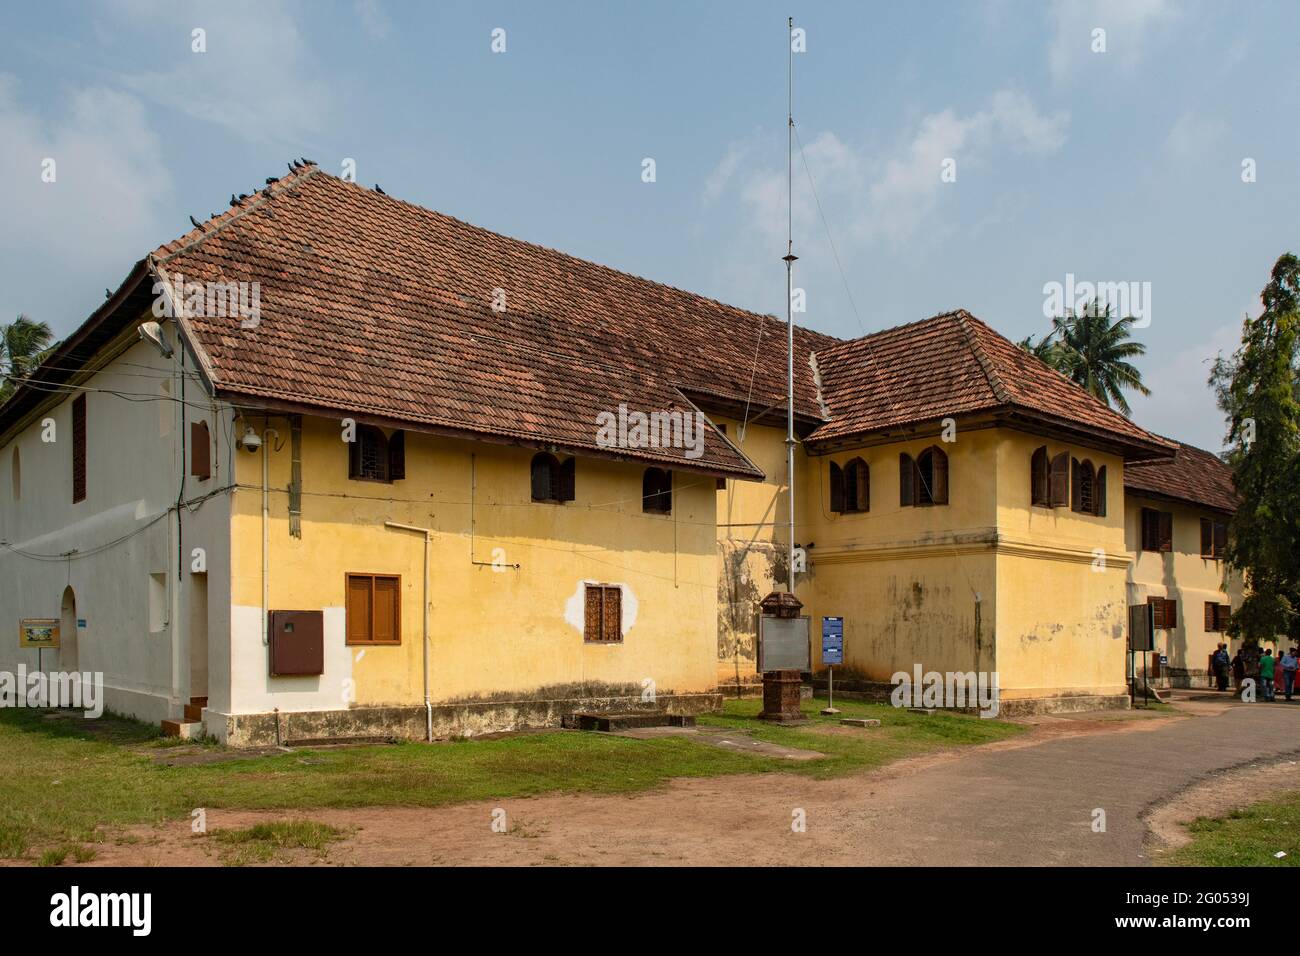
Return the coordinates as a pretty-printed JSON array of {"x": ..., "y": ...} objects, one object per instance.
[{"x": 123, "y": 532}]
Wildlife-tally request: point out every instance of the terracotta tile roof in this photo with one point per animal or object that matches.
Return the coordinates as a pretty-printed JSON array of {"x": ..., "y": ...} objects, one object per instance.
[
  {"x": 1193, "y": 475},
  {"x": 373, "y": 305},
  {"x": 951, "y": 365}
]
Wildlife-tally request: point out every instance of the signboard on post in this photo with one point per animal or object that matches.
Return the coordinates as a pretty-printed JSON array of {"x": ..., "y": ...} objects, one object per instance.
[
  {"x": 832, "y": 640},
  {"x": 38, "y": 632},
  {"x": 783, "y": 644},
  {"x": 1141, "y": 627}
]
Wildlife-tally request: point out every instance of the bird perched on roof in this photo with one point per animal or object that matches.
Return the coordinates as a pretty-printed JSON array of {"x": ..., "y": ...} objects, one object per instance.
[
  {"x": 307, "y": 162},
  {"x": 108, "y": 294},
  {"x": 197, "y": 224},
  {"x": 293, "y": 166},
  {"x": 380, "y": 190},
  {"x": 270, "y": 180},
  {"x": 233, "y": 200},
  {"x": 267, "y": 192}
]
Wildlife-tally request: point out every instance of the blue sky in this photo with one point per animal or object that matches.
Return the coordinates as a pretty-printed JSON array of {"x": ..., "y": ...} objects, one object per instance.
[{"x": 1123, "y": 165}]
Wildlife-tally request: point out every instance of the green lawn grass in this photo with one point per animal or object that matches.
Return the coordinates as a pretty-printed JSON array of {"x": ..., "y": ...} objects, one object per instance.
[
  {"x": 1248, "y": 837},
  {"x": 70, "y": 782}
]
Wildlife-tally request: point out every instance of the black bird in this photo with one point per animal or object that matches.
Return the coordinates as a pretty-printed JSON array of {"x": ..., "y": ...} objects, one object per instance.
[
  {"x": 270, "y": 180},
  {"x": 197, "y": 224},
  {"x": 291, "y": 166},
  {"x": 379, "y": 190},
  {"x": 267, "y": 192},
  {"x": 108, "y": 294},
  {"x": 233, "y": 200}
]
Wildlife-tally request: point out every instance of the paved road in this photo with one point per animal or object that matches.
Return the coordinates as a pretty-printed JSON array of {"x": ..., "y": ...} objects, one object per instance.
[{"x": 1034, "y": 806}]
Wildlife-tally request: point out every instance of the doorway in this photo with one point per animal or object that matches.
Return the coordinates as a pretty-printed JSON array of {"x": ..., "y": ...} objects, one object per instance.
[
  {"x": 198, "y": 634},
  {"x": 68, "y": 632}
]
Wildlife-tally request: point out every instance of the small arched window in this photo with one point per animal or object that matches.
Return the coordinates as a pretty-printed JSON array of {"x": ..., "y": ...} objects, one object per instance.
[
  {"x": 1082, "y": 490},
  {"x": 373, "y": 456},
  {"x": 931, "y": 477},
  {"x": 1089, "y": 488},
  {"x": 857, "y": 486},
  {"x": 552, "y": 480},
  {"x": 657, "y": 491},
  {"x": 1039, "y": 489}
]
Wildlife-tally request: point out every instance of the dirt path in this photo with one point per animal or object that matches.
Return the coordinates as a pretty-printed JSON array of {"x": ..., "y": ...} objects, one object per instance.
[{"x": 1031, "y": 800}]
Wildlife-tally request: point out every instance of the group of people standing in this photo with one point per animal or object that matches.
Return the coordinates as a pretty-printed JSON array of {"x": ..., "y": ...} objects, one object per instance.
[{"x": 1272, "y": 671}]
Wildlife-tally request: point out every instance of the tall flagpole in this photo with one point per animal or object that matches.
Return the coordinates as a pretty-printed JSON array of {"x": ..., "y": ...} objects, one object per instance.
[{"x": 789, "y": 258}]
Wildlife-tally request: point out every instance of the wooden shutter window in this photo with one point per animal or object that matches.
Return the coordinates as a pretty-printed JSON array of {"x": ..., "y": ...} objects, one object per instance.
[
  {"x": 568, "y": 471},
  {"x": 906, "y": 480},
  {"x": 1166, "y": 530},
  {"x": 79, "y": 448},
  {"x": 1211, "y": 620},
  {"x": 1170, "y": 614},
  {"x": 1150, "y": 530},
  {"x": 368, "y": 455},
  {"x": 1220, "y": 539},
  {"x": 1222, "y": 615},
  {"x": 544, "y": 478},
  {"x": 1059, "y": 480},
  {"x": 861, "y": 485},
  {"x": 657, "y": 491},
  {"x": 837, "y": 488},
  {"x": 1076, "y": 485},
  {"x": 1207, "y": 539},
  {"x": 397, "y": 456},
  {"x": 603, "y": 614},
  {"x": 1039, "y": 491},
  {"x": 1158, "y": 611},
  {"x": 1099, "y": 493},
  {"x": 200, "y": 451},
  {"x": 374, "y": 609}
]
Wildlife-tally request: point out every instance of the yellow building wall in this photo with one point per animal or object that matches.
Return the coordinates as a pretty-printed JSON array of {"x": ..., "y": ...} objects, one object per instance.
[
  {"x": 1186, "y": 577},
  {"x": 1062, "y": 618},
  {"x": 915, "y": 585},
  {"x": 493, "y": 632}
]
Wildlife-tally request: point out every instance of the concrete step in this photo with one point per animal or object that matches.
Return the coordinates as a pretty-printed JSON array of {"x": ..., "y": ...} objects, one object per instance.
[
  {"x": 184, "y": 729},
  {"x": 615, "y": 722}
]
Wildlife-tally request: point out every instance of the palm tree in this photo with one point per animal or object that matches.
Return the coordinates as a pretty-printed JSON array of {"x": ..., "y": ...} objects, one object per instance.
[
  {"x": 24, "y": 344},
  {"x": 1092, "y": 351}
]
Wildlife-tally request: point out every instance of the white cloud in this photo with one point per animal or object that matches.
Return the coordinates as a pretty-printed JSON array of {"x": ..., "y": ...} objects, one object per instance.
[
  {"x": 1127, "y": 24},
  {"x": 373, "y": 19},
  {"x": 255, "y": 79},
  {"x": 1192, "y": 134}
]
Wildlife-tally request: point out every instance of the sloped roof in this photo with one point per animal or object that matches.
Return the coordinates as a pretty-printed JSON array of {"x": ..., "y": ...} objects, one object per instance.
[
  {"x": 950, "y": 365},
  {"x": 1193, "y": 475},
  {"x": 370, "y": 304}
]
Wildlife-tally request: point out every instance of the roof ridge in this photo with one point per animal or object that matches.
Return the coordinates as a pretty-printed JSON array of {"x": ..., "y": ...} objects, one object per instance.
[
  {"x": 243, "y": 207},
  {"x": 1000, "y": 391}
]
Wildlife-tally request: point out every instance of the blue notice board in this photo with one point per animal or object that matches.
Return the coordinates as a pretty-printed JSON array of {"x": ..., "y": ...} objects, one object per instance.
[{"x": 832, "y": 640}]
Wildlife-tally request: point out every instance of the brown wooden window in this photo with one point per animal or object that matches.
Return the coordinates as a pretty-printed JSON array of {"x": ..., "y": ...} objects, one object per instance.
[
  {"x": 1059, "y": 480},
  {"x": 1214, "y": 538},
  {"x": 79, "y": 448},
  {"x": 1039, "y": 490},
  {"x": 374, "y": 609},
  {"x": 1166, "y": 613},
  {"x": 1089, "y": 488},
  {"x": 851, "y": 487},
  {"x": 1157, "y": 530},
  {"x": 373, "y": 456},
  {"x": 927, "y": 483},
  {"x": 1216, "y": 616},
  {"x": 552, "y": 480},
  {"x": 200, "y": 451},
  {"x": 657, "y": 491},
  {"x": 604, "y": 614}
]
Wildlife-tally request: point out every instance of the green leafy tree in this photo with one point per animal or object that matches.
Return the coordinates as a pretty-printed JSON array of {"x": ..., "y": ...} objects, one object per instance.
[
  {"x": 1093, "y": 350},
  {"x": 24, "y": 345},
  {"x": 1258, "y": 389}
]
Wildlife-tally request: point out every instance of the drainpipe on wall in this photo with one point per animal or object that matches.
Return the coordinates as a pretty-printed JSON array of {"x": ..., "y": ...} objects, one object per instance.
[
  {"x": 266, "y": 532},
  {"x": 428, "y": 706}
]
